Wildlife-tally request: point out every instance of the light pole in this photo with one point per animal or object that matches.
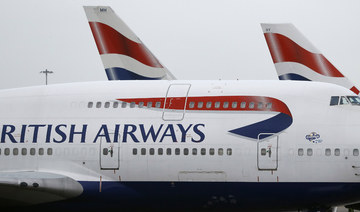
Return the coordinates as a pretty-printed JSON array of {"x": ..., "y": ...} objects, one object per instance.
[{"x": 46, "y": 72}]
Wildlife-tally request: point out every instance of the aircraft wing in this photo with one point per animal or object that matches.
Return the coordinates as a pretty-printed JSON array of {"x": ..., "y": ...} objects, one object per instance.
[{"x": 28, "y": 188}]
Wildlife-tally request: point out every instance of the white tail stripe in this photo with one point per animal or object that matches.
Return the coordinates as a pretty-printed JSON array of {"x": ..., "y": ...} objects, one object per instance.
[
  {"x": 297, "y": 68},
  {"x": 123, "y": 61}
]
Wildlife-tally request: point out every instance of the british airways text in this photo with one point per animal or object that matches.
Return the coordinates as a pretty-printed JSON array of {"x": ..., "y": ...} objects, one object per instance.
[{"x": 137, "y": 133}]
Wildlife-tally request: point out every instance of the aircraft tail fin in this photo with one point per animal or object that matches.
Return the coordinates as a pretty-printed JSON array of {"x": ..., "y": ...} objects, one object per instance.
[
  {"x": 123, "y": 54},
  {"x": 296, "y": 58}
]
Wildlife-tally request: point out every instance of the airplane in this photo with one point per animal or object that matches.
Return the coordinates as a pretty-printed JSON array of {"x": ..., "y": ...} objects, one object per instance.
[
  {"x": 180, "y": 144},
  {"x": 296, "y": 58},
  {"x": 123, "y": 54},
  {"x": 288, "y": 48}
]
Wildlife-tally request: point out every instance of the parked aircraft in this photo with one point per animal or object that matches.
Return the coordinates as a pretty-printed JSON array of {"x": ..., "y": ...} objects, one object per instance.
[{"x": 241, "y": 145}]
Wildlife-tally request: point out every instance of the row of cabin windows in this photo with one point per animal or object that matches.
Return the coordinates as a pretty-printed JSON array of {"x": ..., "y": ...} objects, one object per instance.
[
  {"x": 209, "y": 104},
  {"x": 25, "y": 151},
  {"x": 233, "y": 105},
  {"x": 177, "y": 151},
  {"x": 309, "y": 152},
  {"x": 122, "y": 104}
]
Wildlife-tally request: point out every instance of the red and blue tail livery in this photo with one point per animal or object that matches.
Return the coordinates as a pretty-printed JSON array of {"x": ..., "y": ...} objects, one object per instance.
[
  {"x": 295, "y": 58},
  {"x": 123, "y": 54}
]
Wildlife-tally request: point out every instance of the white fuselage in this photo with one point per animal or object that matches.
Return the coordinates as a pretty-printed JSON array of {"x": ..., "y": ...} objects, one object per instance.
[{"x": 74, "y": 130}]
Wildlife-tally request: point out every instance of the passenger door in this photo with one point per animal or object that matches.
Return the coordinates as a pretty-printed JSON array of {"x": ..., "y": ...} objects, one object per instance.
[
  {"x": 175, "y": 102},
  {"x": 267, "y": 152},
  {"x": 109, "y": 154}
]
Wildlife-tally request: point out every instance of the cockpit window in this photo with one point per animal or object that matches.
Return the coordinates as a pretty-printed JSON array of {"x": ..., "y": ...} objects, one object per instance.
[
  {"x": 354, "y": 100},
  {"x": 334, "y": 100},
  {"x": 343, "y": 101}
]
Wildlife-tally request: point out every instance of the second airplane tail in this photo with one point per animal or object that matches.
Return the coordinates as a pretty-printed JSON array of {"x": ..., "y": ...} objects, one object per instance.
[
  {"x": 123, "y": 54},
  {"x": 295, "y": 58}
]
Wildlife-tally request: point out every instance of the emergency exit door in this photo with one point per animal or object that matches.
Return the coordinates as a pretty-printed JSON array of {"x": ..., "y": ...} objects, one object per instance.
[
  {"x": 175, "y": 102},
  {"x": 267, "y": 152}
]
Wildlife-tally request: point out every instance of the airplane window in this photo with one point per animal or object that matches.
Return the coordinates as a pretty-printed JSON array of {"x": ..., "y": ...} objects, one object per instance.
[
  {"x": 115, "y": 104},
  {"x": 98, "y": 104},
  {"x": 217, "y": 104},
  {"x": 354, "y": 100},
  {"x": 243, "y": 104},
  {"x": 251, "y": 105},
  {"x": 220, "y": 151},
  {"x": 134, "y": 152},
  {"x": 226, "y": 104},
  {"x": 234, "y": 104},
  {"x": 123, "y": 104},
  {"x": 208, "y": 104},
  {"x": 177, "y": 151},
  {"x": 337, "y": 152},
  {"x": 268, "y": 105},
  {"x": 157, "y": 104},
  {"x": 309, "y": 152},
  {"x": 143, "y": 151},
  {"x": 334, "y": 100},
  {"x": 300, "y": 152},
  {"x": 168, "y": 151},
  {"x": 343, "y": 101},
  {"x": 191, "y": 104},
  {"x": 107, "y": 104},
  {"x": 203, "y": 151},
  {"x": 327, "y": 152},
  {"x": 186, "y": 151},
  {"x": 90, "y": 104},
  {"x": 200, "y": 104},
  {"x": 141, "y": 104},
  {"x": 229, "y": 151},
  {"x": 356, "y": 152},
  {"x": 105, "y": 151},
  {"x": 41, "y": 151},
  {"x": 149, "y": 104},
  {"x": 260, "y": 105},
  {"x": 160, "y": 151},
  {"x": 15, "y": 151},
  {"x": 23, "y": 151},
  {"x": 7, "y": 151},
  {"x": 32, "y": 151},
  {"x": 152, "y": 151},
  {"x": 132, "y": 104},
  {"x": 49, "y": 151},
  {"x": 211, "y": 151},
  {"x": 263, "y": 151},
  {"x": 194, "y": 151}
]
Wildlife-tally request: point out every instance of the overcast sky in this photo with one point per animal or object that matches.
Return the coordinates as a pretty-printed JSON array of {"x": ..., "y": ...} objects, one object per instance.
[{"x": 194, "y": 39}]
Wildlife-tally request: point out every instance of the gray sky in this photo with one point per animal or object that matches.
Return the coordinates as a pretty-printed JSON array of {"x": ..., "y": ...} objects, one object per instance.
[{"x": 194, "y": 39}]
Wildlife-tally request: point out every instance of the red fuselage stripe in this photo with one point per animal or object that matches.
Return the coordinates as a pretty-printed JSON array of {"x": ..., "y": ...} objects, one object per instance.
[{"x": 259, "y": 103}]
